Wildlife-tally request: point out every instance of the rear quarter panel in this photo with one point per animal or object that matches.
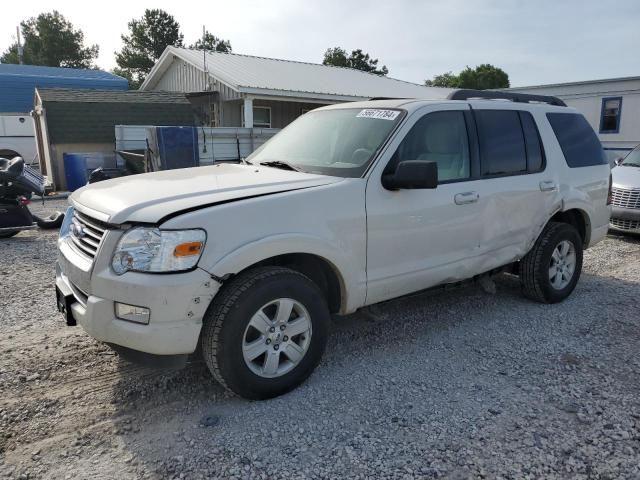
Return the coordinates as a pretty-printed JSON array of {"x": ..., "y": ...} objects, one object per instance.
[{"x": 582, "y": 188}]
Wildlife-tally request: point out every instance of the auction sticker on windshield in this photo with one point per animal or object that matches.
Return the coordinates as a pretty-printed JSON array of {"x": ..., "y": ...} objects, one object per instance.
[{"x": 378, "y": 113}]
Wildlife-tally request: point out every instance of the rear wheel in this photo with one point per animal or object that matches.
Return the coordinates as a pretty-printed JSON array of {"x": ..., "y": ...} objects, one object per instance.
[
  {"x": 265, "y": 332},
  {"x": 551, "y": 270}
]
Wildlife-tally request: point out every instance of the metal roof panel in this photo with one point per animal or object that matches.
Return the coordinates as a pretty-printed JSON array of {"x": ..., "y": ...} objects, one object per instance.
[{"x": 249, "y": 73}]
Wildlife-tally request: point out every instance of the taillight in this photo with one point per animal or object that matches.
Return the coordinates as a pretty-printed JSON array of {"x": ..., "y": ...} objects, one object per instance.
[
  {"x": 24, "y": 201},
  {"x": 610, "y": 193}
]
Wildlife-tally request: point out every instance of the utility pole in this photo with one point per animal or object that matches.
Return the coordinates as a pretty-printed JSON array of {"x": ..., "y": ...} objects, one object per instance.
[
  {"x": 19, "y": 46},
  {"x": 204, "y": 58}
]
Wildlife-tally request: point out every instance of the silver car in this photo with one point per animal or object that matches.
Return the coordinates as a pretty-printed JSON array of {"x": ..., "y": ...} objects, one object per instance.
[{"x": 625, "y": 214}]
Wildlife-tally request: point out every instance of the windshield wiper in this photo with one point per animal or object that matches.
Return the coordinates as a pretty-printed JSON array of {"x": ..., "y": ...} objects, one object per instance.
[
  {"x": 280, "y": 164},
  {"x": 630, "y": 164}
]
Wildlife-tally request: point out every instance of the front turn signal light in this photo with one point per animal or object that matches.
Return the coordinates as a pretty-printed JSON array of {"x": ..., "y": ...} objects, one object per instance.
[{"x": 188, "y": 249}]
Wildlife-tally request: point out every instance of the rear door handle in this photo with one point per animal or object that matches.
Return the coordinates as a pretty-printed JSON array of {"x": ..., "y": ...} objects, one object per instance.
[
  {"x": 547, "y": 185},
  {"x": 466, "y": 197}
]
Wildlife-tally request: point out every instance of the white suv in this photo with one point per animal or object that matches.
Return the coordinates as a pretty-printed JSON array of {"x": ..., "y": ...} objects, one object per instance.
[{"x": 350, "y": 205}]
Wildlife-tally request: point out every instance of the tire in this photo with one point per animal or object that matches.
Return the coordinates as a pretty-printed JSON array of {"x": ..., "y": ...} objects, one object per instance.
[
  {"x": 536, "y": 274},
  {"x": 8, "y": 234},
  {"x": 229, "y": 338}
]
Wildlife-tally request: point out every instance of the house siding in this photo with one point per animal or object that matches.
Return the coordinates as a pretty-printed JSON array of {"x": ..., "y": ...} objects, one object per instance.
[
  {"x": 184, "y": 77},
  {"x": 282, "y": 113}
]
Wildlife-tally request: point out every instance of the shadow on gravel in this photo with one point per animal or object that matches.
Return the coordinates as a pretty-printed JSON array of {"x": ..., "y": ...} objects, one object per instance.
[
  {"x": 440, "y": 360},
  {"x": 630, "y": 238}
]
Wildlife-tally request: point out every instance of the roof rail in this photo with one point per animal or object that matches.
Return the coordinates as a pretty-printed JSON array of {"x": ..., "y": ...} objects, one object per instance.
[
  {"x": 387, "y": 98},
  {"x": 466, "y": 94}
]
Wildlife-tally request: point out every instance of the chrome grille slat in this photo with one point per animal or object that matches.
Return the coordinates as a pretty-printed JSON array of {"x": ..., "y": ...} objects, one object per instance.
[
  {"x": 627, "y": 225},
  {"x": 83, "y": 247},
  {"x": 91, "y": 242},
  {"x": 89, "y": 222},
  {"x": 93, "y": 231},
  {"x": 625, "y": 198}
]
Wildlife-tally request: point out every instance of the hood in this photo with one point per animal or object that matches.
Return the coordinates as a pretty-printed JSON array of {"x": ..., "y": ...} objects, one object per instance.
[
  {"x": 150, "y": 197},
  {"x": 627, "y": 177}
]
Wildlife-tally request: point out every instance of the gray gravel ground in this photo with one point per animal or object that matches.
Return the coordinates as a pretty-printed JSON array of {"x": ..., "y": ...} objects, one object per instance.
[{"x": 457, "y": 385}]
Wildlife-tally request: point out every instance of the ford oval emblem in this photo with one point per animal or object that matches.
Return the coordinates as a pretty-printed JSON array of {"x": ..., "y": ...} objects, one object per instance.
[{"x": 77, "y": 230}]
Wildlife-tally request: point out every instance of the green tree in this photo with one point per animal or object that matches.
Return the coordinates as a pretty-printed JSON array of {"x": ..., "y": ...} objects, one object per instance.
[
  {"x": 482, "y": 77},
  {"x": 212, "y": 43},
  {"x": 357, "y": 59},
  {"x": 148, "y": 37},
  {"x": 448, "y": 80},
  {"x": 51, "y": 40}
]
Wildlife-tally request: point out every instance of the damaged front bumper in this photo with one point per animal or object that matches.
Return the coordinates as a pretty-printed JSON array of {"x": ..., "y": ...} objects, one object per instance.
[{"x": 90, "y": 291}]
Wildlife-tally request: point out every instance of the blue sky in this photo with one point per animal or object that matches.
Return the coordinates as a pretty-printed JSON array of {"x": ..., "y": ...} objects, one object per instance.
[{"x": 536, "y": 41}]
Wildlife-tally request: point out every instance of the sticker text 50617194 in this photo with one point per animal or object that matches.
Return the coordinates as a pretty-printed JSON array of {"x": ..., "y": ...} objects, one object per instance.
[{"x": 378, "y": 113}]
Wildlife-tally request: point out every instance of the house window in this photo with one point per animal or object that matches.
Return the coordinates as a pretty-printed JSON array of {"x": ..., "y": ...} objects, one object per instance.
[
  {"x": 261, "y": 116},
  {"x": 610, "y": 115}
]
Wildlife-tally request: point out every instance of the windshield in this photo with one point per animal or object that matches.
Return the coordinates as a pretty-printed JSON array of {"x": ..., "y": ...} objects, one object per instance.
[
  {"x": 633, "y": 159},
  {"x": 339, "y": 142}
]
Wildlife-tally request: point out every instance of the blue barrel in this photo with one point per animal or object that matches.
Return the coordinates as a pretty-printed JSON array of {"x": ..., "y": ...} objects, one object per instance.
[{"x": 75, "y": 170}]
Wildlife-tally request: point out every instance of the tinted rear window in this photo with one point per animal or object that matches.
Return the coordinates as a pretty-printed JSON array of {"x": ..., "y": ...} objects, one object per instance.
[
  {"x": 577, "y": 139},
  {"x": 502, "y": 147}
]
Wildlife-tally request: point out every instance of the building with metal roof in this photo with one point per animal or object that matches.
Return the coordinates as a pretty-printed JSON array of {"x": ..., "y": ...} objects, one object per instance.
[
  {"x": 18, "y": 82},
  {"x": 611, "y": 105},
  {"x": 68, "y": 120},
  {"x": 242, "y": 90}
]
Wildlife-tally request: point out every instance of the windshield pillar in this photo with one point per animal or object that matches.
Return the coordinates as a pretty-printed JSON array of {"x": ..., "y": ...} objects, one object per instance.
[{"x": 248, "y": 112}]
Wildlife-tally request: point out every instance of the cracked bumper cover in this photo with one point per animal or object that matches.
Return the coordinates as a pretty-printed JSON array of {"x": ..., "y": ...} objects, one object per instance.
[{"x": 177, "y": 303}]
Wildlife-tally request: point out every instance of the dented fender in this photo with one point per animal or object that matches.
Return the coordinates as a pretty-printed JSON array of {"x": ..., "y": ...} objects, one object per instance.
[{"x": 352, "y": 282}]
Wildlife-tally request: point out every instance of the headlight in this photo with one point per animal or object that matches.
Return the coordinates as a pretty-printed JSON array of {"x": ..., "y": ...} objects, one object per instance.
[
  {"x": 154, "y": 250},
  {"x": 65, "y": 228}
]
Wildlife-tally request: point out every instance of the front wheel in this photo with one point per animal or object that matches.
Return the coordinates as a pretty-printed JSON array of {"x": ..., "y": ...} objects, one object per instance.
[
  {"x": 265, "y": 332},
  {"x": 551, "y": 270}
]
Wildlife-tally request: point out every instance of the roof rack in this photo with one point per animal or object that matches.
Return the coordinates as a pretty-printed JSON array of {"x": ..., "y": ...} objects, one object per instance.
[
  {"x": 387, "y": 98},
  {"x": 466, "y": 94}
]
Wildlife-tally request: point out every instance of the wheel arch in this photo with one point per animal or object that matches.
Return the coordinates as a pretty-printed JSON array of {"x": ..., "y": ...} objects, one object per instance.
[
  {"x": 322, "y": 272},
  {"x": 577, "y": 218},
  {"x": 333, "y": 274}
]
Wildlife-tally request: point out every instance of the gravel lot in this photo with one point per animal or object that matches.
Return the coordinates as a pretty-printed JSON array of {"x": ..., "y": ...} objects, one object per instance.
[{"x": 458, "y": 384}]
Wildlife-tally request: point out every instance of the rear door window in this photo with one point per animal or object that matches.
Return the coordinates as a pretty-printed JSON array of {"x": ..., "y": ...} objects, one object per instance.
[
  {"x": 579, "y": 143},
  {"x": 502, "y": 143},
  {"x": 535, "y": 152}
]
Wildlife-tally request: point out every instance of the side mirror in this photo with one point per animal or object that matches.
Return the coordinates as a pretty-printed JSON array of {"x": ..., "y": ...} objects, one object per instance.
[
  {"x": 412, "y": 174},
  {"x": 618, "y": 161}
]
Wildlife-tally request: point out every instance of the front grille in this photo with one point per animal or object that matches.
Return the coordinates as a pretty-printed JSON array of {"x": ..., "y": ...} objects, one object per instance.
[
  {"x": 627, "y": 225},
  {"x": 625, "y": 198},
  {"x": 86, "y": 233}
]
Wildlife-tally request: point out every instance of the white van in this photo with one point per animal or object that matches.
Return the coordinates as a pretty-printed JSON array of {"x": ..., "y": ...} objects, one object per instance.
[
  {"x": 17, "y": 136},
  {"x": 350, "y": 205}
]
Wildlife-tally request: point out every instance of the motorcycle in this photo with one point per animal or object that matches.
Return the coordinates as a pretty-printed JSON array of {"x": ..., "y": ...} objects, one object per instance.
[{"x": 18, "y": 182}]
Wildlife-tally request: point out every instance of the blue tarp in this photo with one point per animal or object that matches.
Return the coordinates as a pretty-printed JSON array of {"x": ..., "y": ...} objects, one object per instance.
[{"x": 178, "y": 147}]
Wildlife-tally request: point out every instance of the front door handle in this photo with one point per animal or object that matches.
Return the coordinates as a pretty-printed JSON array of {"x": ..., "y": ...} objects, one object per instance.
[
  {"x": 547, "y": 186},
  {"x": 466, "y": 197}
]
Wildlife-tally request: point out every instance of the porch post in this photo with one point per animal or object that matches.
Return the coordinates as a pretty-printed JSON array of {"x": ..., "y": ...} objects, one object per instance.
[{"x": 248, "y": 112}]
